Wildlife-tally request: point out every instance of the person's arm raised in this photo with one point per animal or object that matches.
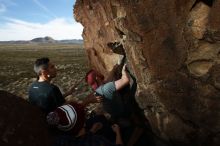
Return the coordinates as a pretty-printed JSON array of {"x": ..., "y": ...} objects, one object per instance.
[{"x": 123, "y": 81}]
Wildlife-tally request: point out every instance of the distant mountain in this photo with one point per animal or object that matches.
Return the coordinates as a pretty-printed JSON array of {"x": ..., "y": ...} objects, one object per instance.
[{"x": 46, "y": 39}]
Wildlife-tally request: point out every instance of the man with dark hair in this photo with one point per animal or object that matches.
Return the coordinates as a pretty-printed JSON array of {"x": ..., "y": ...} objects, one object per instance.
[{"x": 42, "y": 93}]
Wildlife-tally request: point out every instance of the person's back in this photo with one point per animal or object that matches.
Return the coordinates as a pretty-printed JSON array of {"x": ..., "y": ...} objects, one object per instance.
[
  {"x": 42, "y": 93},
  {"x": 45, "y": 95}
]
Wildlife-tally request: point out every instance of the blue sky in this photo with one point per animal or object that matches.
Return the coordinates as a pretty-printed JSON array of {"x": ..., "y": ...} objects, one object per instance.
[{"x": 28, "y": 19}]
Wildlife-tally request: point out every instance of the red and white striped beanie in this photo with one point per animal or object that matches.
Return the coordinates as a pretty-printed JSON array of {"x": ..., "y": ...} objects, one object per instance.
[
  {"x": 68, "y": 117},
  {"x": 68, "y": 121}
]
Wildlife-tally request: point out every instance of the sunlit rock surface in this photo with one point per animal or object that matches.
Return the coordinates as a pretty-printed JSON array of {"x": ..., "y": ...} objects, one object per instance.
[{"x": 172, "y": 48}]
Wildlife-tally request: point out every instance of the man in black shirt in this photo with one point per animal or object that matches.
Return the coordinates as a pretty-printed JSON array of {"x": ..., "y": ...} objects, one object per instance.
[
  {"x": 42, "y": 93},
  {"x": 45, "y": 95}
]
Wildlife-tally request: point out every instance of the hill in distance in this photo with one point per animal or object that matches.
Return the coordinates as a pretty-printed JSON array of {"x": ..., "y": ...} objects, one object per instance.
[{"x": 46, "y": 39}]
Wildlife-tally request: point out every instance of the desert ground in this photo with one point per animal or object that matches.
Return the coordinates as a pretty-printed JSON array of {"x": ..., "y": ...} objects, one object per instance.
[{"x": 16, "y": 63}]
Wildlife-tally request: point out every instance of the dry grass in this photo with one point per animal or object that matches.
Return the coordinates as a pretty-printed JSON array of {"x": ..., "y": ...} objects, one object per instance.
[{"x": 16, "y": 63}]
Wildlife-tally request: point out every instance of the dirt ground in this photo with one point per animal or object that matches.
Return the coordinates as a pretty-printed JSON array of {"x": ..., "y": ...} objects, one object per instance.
[{"x": 16, "y": 63}]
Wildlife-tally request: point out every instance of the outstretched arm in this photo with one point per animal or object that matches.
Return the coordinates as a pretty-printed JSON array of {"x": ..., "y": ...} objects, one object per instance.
[
  {"x": 123, "y": 81},
  {"x": 91, "y": 98}
]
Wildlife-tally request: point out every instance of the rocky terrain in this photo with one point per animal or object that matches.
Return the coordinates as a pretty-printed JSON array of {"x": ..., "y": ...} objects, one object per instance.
[{"x": 172, "y": 48}]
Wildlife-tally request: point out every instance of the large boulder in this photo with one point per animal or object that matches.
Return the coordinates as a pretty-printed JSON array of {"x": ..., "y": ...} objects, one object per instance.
[
  {"x": 21, "y": 124},
  {"x": 172, "y": 48}
]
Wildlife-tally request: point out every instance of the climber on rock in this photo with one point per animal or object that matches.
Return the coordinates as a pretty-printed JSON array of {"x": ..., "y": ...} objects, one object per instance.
[
  {"x": 109, "y": 89},
  {"x": 106, "y": 91},
  {"x": 119, "y": 101}
]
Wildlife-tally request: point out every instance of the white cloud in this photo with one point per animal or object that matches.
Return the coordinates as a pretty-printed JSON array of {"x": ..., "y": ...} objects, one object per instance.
[
  {"x": 2, "y": 8},
  {"x": 58, "y": 28},
  {"x": 44, "y": 8}
]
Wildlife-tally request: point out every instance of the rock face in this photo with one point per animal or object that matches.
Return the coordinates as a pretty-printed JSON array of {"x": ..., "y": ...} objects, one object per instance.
[
  {"x": 21, "y": 124},
  {"x": 172, "y": 48}
]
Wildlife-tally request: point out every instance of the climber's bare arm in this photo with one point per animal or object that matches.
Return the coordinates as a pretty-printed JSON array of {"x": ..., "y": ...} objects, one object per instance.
[{"x": 123, "y": 81}]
